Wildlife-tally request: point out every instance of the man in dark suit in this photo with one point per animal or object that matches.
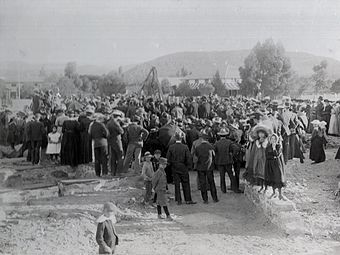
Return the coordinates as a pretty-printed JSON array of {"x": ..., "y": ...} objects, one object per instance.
[
  {"x": 35, "y": 133},
  {"x": 224, "y": 159},
  {"x": 326, "y": 113},
  {"x": 115, "y": 142},
  {"x": 99, "y": 134},
  {"x": 205, "y": 153},
  {"x": 180, "y": 161}
]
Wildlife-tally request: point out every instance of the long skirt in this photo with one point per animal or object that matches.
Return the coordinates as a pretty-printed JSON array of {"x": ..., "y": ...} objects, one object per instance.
[
  {"x": 274, "y": 173},
  {"x": 85, "y": 148},
  {"x": 69, "y": 149},
  {"x": 259, "y": 162},
  {"x": 295, "y": 150},
  {"x": 333, "y": 125},
  {"x": 317, "y": 151}
]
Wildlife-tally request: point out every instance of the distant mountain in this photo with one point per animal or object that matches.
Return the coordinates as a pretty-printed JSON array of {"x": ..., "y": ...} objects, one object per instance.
[
  {"x": 205, "y": 64},
  {"x": 23, "y": 70}
]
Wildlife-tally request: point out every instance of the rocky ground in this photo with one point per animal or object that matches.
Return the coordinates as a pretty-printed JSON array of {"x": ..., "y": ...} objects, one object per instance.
[{"x": 34, "y": 220}]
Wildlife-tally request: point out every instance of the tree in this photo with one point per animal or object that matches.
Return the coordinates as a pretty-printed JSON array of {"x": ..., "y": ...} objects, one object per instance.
[
  {"x": 70, "y": 70},
  {"x": 336, "y": 86},
  {"x": 266, "y": 69},
  {"x": 86, "y": 84},
  {"x": 111, "y": 84},
  {"x": 183, "y": 72},
  {"x": 218, "y": 84},
  {"x": 320, "y": 76},
  {"x": 206, "y": 89},
  {"x": 66, "y": 86},
  {"x": 166, "y": 86}
]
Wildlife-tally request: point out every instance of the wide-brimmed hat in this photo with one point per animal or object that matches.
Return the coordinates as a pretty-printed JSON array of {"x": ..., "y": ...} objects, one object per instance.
[
  {"x": 116, "y": 112},
  {"x": 323, "y": 124},
  {"x": 315, "y": 122},
  {"x": 261, "y": 128},
  {"x": 217, "y": 120},
  {"x": 147, "y": 154},
  {"x": 223, "y": 132},
  {"x": 275, "y": 102}
]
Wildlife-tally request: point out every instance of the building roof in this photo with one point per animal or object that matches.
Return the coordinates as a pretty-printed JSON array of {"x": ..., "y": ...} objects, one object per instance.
[{"x": 231, "y": 85}]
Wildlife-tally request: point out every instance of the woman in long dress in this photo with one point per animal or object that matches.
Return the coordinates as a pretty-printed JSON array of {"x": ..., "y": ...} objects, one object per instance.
[
  {"x": 260, "y": 155},
  {"x": 85, "y": 145},
  {"x": 318, "y": 142},
  {"x": 333, "y": 123},
  {"x": 69, "y": 154},
  {"x": 274, "y": 168}
]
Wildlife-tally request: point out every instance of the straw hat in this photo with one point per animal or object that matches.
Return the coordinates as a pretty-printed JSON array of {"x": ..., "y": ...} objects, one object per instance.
[
  {"x": 223, "y": 132},
  {"x": 116, "y": 112},
  {"x": 147, "y": 155},
  {"x": 323, "y": 124},
  {"x": 315, "y": 122}
]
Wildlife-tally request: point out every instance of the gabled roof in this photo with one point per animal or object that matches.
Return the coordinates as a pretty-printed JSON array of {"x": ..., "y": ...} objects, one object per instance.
[{"x": 231, "y": 85}]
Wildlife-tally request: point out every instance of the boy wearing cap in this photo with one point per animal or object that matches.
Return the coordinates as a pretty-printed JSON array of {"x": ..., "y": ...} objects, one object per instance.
[
  {"x": 159, "y": 185},
  {"x": 147, "y": 173},
  {"x": 106, "y": 236}
]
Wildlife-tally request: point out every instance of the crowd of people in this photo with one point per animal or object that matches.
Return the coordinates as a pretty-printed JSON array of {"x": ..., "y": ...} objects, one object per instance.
[
  {"x": 163, "y": 140},
  {"x": 191, "y": 133}
]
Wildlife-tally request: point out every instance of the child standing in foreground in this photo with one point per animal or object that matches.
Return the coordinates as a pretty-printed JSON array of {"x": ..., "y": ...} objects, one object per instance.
[
  {"x": 54, "y": 144},
  {"x": 106, "y": 236},
  {"x": 147, "y": 173},
  {"x": 159, "y": 185}
]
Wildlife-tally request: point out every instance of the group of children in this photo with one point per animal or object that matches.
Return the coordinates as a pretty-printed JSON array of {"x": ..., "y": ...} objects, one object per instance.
[{"x": 153, "y": 173}]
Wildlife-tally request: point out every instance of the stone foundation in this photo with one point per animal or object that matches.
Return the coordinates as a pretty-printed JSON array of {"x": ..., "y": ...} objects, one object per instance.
[{"x": 281, "y": 213}]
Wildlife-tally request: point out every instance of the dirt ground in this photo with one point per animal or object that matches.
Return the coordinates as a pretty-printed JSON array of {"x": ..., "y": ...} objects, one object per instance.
[
  {"x": 49, "y": 224},
  {"x": 312, "y": 188}
]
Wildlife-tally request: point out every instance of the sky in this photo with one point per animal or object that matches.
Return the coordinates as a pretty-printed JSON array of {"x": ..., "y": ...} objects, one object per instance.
[{"x": 108, "y": 32}]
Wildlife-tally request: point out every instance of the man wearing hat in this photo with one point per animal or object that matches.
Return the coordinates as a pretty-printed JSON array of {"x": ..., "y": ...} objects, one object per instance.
[
  {"x": 99, "y": 134},
  {"x": 35, "y": 135},
  {"x": 136, "y": 136},
  {"x": 180, "y": 162},
  {"x": 204, "y": 154},
  {"x": 224, "y": 159},
  {"x": 115, "y": 142}
]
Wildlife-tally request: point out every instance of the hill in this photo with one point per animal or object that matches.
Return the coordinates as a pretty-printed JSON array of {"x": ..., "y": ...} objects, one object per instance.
[{"x": 205, "y": 64}]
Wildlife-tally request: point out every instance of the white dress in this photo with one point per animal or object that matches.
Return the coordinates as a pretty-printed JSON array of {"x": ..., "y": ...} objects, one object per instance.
[
  {"x": 54, "y": 146},
  {"x": 333, "y": 123}
]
